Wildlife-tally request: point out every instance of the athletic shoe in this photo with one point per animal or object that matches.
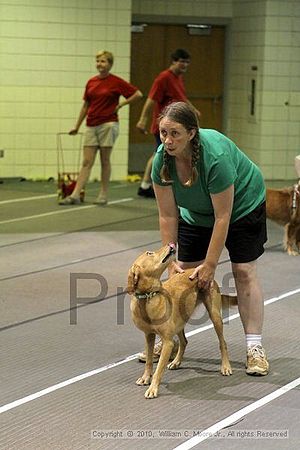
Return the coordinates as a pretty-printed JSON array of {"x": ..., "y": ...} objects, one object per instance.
[
  {"x": 101, "y": 201},
  {"x": 157, "y": 352},
  {"x": 69, "y": 201},
  {"x": 148, "y": 193},
  {"x": 257, "y": 363}
]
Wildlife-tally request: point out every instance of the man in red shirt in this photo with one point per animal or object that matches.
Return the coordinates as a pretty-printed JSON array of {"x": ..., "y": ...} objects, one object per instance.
[{"x": 167, "y": 87}]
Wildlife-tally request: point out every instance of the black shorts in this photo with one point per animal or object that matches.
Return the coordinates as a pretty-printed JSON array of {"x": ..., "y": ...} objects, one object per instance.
[{"x": 245, "y": 240}]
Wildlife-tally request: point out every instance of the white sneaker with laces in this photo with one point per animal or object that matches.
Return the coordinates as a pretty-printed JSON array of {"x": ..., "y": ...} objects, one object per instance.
[
  {"x": 257, "y": 363},
  {"x": 157, "y": 352}
]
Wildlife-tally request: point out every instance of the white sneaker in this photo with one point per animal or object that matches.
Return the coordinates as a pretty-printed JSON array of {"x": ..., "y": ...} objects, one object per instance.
[
  {"x": 157, "y": 352},
  {"x": 257, "y": 363},
  {"x": 69, "y": 201}
]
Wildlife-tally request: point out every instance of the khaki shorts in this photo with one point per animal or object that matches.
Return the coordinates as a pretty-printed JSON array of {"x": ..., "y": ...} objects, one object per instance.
[{"x": 103, "y": 135}]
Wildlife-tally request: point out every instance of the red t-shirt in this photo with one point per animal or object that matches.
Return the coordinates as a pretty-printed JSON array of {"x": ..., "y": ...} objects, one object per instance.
[
  {"x": 166, "y": 88},
  {"x": 102, "y": 95}
]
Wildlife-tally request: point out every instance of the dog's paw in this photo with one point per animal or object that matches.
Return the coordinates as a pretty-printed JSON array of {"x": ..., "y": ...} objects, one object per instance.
[
  {"x": 173, "y": 365},
  {"x": 292, "y": 252},
  {"x": 151, "y": 392},
  {"x": 226, "y": 370},
  {"x": 143, "y": 381}
]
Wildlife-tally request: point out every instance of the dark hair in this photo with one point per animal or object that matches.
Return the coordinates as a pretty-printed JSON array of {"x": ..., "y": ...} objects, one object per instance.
[
  {"x": 184, "y": 114},
  {"x": 180, "y": 53}
]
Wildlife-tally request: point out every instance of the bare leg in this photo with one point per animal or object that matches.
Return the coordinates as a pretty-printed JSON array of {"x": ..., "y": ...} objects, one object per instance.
[
  {"x": 250, "y": 297},
  {"x": 89, "y": 154},
  {"x": 147, "y": 173},
  {"x": 249, "y": 294},
  {"x": 251, "y": 307},
  {"x": 105, "y": 153}
]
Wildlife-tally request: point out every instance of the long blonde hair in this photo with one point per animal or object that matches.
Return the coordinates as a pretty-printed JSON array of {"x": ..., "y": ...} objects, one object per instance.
[{"x": 184, "y": 114}]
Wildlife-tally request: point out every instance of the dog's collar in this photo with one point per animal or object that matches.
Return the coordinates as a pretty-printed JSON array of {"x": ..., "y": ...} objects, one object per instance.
[{"x": 145, "y": 295}]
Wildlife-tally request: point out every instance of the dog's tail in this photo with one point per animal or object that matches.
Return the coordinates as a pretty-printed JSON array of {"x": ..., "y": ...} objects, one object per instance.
[{"x": 229, "y": 300}]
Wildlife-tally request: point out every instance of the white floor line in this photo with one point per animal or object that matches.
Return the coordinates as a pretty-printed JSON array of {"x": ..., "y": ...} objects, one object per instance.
[
  {"x": 230, "y": 420},
  {"x": 65, "y": 383},
  {"x": 27, "y": 199},
  {"x": 40, "y": 197},
  {"x": 65, "y": 209}
]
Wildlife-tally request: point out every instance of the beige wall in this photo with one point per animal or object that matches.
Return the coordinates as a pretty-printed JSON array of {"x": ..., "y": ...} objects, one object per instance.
[
  {"x": 193, "y": 8},
  {"x": 266, "y": 34},
  {"x": 47, "y": 54}
]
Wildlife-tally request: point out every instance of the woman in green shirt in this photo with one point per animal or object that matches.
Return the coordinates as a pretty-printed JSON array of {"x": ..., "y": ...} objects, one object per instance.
[{"x": 210, "y": 195}]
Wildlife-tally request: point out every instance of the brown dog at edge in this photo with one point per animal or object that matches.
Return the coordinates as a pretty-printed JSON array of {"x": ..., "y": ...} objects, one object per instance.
[
  {"x": 283, "y": 208},
  {"x": 164, "y": 309}
]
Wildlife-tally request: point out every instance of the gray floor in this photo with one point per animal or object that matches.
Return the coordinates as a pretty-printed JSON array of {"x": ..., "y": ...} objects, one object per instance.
[{"x": 68, "y": 375}]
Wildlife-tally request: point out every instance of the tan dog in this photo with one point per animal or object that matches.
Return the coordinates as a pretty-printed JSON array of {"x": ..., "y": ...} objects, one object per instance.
[
  {"x": 283, "y": 207},
  {"x": 164, "y": 309}
]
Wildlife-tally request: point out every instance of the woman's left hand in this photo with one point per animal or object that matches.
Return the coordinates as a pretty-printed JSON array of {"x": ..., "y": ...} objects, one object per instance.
[{"x": 205, "y": 274}]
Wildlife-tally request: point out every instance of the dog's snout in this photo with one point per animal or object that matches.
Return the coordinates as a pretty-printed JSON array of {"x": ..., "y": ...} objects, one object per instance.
[
  {"x": 171, "y": 252},
  {"x": 172, "y": 247}
]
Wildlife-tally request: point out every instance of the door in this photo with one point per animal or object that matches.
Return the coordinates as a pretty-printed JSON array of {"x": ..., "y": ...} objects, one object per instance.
[{"x": 151, "y": 46}]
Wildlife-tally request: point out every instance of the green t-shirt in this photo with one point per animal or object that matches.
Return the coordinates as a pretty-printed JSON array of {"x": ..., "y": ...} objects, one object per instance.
[{"x": 220, "y": 165}]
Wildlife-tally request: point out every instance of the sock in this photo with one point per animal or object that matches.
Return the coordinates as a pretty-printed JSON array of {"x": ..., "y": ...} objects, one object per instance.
[
  {"x": 145, "y": 185},
  {"x": 253, "y": 339}
]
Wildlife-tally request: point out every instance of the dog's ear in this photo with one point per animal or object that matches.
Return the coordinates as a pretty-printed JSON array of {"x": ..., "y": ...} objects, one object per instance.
[{"x": 133, "y": 278}]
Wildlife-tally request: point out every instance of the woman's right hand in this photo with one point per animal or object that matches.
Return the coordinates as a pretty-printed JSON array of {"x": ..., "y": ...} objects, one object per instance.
[
  {"x": 174, "y": 268},
  {"x": 73, "y": 131},
  {"x": 141, "y": 127}
]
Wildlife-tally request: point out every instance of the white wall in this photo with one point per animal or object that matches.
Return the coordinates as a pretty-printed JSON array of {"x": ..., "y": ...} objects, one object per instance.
[{"x": 47, "y": 54}]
